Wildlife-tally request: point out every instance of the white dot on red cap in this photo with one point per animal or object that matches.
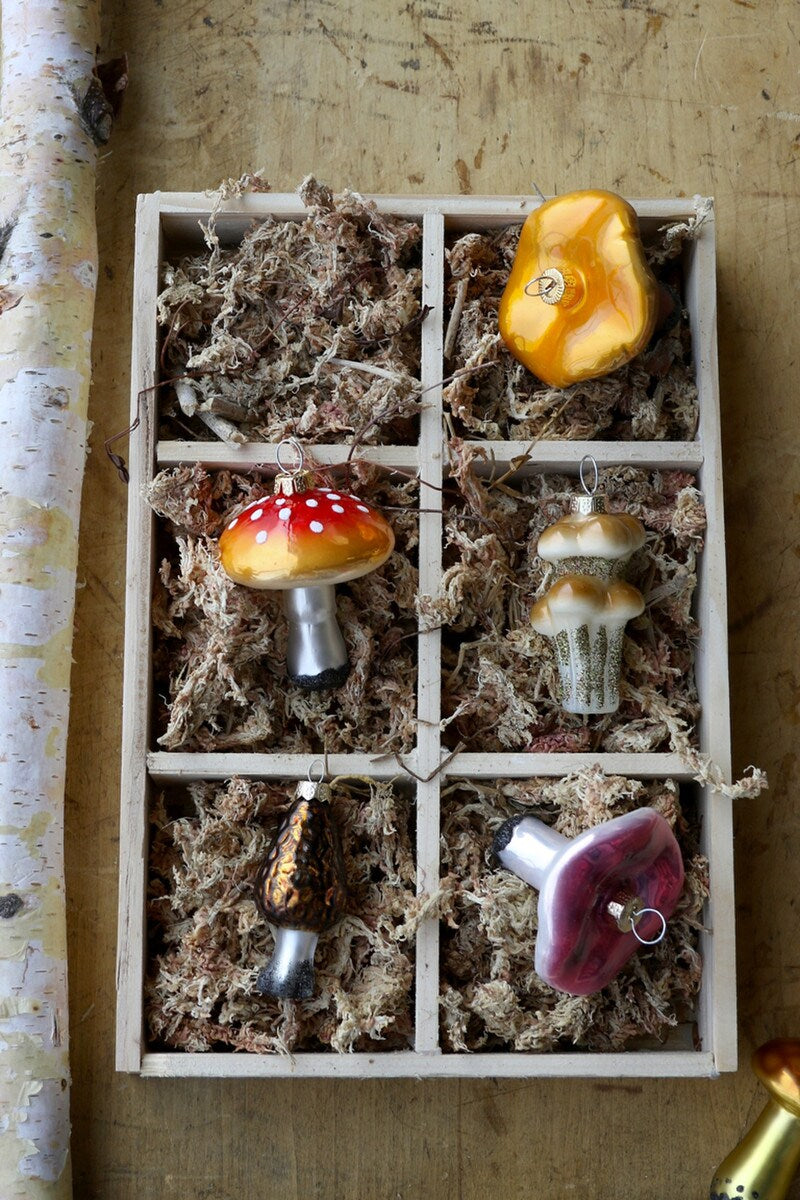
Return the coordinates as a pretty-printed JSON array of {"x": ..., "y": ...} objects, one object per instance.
[
  {"x": 337, "y": 508},
  {"x": 281, "y": 501},
  {"x": 334, "y": 496},
  {"x": 362, "y": 508},
  {"x": 312, "y": 503},
  {"x": 316, "y": 527},
  {"x": 284, "y": 514},
  {"x": 261, "y": 536},
  {"x": 257, "y": 515},
  {"x": 233, "y": 522}
]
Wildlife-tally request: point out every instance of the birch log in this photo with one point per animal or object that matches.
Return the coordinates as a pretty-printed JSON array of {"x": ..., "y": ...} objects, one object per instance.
[{"x": 53, "y": 114}]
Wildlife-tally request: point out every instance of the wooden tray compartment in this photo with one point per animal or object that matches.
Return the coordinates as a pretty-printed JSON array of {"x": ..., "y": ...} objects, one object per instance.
[{"x": 166, "y": 227}]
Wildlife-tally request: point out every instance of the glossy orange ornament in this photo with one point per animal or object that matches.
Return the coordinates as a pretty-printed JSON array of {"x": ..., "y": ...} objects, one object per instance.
[{"x": 581, "y": 299}]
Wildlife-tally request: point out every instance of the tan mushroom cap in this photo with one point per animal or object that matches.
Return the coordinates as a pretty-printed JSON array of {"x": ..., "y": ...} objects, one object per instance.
[
  {"x": 592, "y": 535},
  {"x": 576, "y": 600},
  {"x": 305, "y": 539},
  {"x": 777, "y": 1065}
]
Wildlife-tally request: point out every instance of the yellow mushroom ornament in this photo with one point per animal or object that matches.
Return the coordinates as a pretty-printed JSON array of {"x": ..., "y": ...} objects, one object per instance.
[{"x": 580, "y": 300}]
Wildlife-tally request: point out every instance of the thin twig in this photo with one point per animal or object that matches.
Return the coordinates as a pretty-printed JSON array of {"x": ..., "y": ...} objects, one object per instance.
[
  {"x": 455, "y": 317},
  {"x": 434, "y": 773}
]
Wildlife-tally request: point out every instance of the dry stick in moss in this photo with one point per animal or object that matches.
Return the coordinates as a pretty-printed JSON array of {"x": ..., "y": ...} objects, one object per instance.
[{"x": 359, "y": 282}]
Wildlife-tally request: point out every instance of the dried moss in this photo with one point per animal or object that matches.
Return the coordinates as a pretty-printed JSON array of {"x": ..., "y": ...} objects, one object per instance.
[
  {"x": 491, "y": 997},
  {"x": 220, "y": 648},
  {"x": 306, "y": 328},
  {"x": 208, "y": 941},
  {"x": 654, "y": 397},
  {"x": 499, "y": 677}
]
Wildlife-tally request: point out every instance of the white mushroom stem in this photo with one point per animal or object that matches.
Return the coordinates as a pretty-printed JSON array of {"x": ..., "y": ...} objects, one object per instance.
[
  {"x": 529, "y": 848},
  {"x": 589, "y": 659},
  {"x": 316, "y": 656},
  {"x": 191, "y": 406},
  {"x": 289, "y": 974}
]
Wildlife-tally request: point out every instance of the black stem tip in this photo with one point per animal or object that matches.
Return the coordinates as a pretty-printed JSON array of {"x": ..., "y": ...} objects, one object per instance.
[
  {"x": 326, "y": 681},
  {"x": 505, "y": 834},
  {"x": 296, "y": 984}
]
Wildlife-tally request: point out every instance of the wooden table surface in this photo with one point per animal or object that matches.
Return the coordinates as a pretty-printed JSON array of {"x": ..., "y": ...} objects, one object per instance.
[{"x": 459, "y": 96}]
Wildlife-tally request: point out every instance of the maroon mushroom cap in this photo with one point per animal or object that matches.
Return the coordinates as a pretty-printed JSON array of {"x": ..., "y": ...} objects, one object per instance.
[{"x": 579, "y": 946}]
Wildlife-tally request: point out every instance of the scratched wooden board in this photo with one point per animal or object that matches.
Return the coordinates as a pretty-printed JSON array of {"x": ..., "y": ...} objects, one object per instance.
[{"x": 435, "y": 97}]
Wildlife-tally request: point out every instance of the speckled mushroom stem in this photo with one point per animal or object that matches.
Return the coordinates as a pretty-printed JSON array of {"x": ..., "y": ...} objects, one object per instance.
[
  {"x": 589, "y": 667},
  {"x": 289, "y": 974},
  {"x": 765, "y": 1162},
  {"x": 316, "y": 655}
]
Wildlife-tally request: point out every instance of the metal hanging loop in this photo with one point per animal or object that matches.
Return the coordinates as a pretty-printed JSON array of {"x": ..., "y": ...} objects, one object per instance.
[
  {"x": 292, "y": 444},
  {"x": 312, "y": 776},
  {"x": 546, "y": 283},
  {"x": 637, "y": 915},
  {"x": 589, "y": 458}
]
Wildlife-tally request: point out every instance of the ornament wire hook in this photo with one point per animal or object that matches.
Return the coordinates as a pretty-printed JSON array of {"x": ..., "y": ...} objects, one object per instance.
[
  {"x": 312, "y": 778},
  {"x": 637, "y": 915},
  {"x": 548, "y": 281},
  {"x": 590, "y": 491},
  {"x": 294, "y": 445}
]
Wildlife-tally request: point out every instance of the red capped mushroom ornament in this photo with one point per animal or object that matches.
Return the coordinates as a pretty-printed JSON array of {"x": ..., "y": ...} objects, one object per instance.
[
  {"x": 303, "y": 540},
  {"x": 601, "y": 894}
]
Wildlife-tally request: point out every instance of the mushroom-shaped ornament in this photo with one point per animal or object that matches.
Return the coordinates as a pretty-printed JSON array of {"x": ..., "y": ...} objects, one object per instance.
[
  {"x": 764, "y": 1163},
  {"x": 590, "y": 540},
  {"x": 580, "y": 300},
  {"x": 301, "y": 891},
  {"x": 303, "y": 540},
  {"x": 586, "y": 619},
  {"x": 601, "y": 894},
  {"x": 586, "y": 609}
]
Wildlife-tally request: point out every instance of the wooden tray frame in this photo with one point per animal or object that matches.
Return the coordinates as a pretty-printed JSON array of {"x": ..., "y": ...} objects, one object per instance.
[{"x": 167, "y": 223}]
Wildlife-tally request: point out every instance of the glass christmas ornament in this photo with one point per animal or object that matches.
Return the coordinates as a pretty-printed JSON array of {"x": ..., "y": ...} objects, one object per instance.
[
  {"x": 580, "y": 300},
  {"x": 586, "y": 609},
  {"x": 764, "y": 1163},
  {"x": 601, "y": 895},
  {"x": 304, "y": 540},
  {"x": 300, "y": 890}
]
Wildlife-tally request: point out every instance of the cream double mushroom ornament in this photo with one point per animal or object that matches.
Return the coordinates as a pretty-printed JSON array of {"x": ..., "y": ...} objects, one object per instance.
[
  {"x": 586, "y": 609},
  {"x": 303, "y": 540}
]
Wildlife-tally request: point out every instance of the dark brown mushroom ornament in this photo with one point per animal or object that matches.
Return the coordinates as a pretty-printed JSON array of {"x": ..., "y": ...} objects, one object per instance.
[
  {"x": 300, "y": 890},
  {"x": 303, "y": 540},
  {"x": 601, "y": 894}
]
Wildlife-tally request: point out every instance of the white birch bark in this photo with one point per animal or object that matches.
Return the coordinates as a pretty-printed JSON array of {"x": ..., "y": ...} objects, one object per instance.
[{"x": 47, "y": 287}]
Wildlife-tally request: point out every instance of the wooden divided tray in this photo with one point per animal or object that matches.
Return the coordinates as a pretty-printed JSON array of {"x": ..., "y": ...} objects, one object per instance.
[{"x": 167, "y": 226}]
